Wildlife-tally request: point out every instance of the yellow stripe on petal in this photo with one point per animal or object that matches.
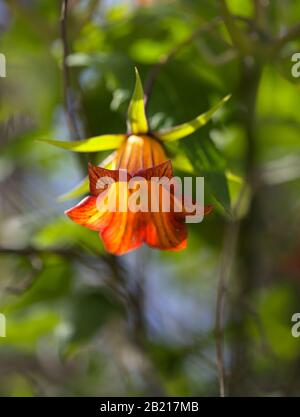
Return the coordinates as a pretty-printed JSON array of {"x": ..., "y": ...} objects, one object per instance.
[{"x": 86, "y": 214}]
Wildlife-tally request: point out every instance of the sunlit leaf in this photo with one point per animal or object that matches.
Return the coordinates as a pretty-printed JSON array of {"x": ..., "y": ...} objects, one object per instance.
[
  {"x": 185, "y": 129},
  {"x": 60, "y": 232},
  {"x": 209, "y": 163},
  {"x": 25, "y": 331},
  {"x": 182, "y": 163},
  {"x": 136, "y": 120},
  {"x": 234, "y": 177},
  {"x": 95, "y": 144}
]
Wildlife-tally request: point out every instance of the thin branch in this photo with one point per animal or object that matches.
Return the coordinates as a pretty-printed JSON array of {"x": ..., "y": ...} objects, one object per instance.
[
  {"x": 71, "y": 118},
  {"x": 28, "y": 251},
  {"x": 165, "y": 59},
  {"x": 290, "y": 35},
  {"x": 229, "y": 246},
  {"x": 93, "y": 6},
  {"x": 239, "y": 38},
  {"x": 260, "y": 13},
  {"x": 244, "y": 46},
  {"x": 114, "y": 282},
  {"x": 216, "y": 59},
  {"x": 228, "y": 252},
  {"x": 249, "y": 84},
  {"x": 70, "y": 254}
]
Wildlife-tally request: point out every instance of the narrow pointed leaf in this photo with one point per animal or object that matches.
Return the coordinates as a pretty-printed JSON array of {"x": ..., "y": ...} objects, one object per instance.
[
  {"x": 185, "y": 129},
  {"x": 95, "y": 144},
  {"x": 77, "y": 191},
  {"x": 233, "y": 177},
  {"x": 136, "y": 120}
]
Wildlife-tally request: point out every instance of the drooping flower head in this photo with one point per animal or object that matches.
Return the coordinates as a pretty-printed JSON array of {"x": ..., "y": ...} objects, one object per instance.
[
  {"x": 142, "y": 154},
  {"x": 125, "y": 228}
]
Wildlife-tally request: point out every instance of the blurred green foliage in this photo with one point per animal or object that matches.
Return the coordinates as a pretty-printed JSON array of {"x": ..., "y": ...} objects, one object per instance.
[{"x": 80, "y": 322}]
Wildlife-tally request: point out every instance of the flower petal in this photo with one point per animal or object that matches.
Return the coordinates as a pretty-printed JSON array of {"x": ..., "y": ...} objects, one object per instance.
[
  {"x": 95, "y": 144},
  {"x": 165, "y": 231},
  {"x": 136, "y": 119},
  {"x": 162, "y": 170},
  {"x": 140, "y": 152},
  {"x": 86, "y": 214},
  {"x": 97, "y": 173},
  {"x": 123, "y": 230},
  {"x": 185, "y": 129},
  {"x": 124, "y": 233}
]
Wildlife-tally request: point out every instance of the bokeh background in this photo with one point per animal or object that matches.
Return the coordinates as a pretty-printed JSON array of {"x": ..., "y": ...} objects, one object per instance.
[{"x": 81, "y": 322}]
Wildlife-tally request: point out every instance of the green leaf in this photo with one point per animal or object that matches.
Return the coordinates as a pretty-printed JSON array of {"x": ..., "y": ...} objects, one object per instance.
[
  {"x": 44, "y": 286},
  {"x": 26, "y": 330},
  {"x": 185, "y": 129},
  {"x": 237, "y": 179},
  {"x": 136, "y": 119},
  {"x": 77, "y": 191},
  {"x": 95, "y": 144},
  {"x": 182, "y": 163},
  {"x": 209, "y": 163},
  {"x": 60, "y": 232},
  {"x": 83, "y": 186},
  {"x": 91, "y": 310}
]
